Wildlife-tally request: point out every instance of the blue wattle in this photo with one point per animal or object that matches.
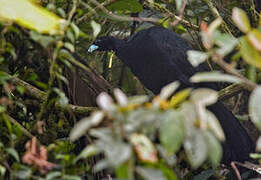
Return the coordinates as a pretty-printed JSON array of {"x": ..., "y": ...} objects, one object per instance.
[{"x": 92, "y": 48}]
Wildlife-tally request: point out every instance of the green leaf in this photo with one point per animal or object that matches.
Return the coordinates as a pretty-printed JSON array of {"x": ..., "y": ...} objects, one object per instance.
[
  {"x": 249, "y": 53},
  {"x": 53, "y": 175},
  {"x": 137, "y": 100},
  {"x": 30, "y": 15},
  {"x": 179, "y": 97},
  {"x": 215, "y": 126},
  {"x": 88, "y": 151},
  {"x": 126, "y": 5},
  {"x": 70, "y": 35},
  {"x": 13, "y": 153},
  {"x": 71, "y": 177},
  {"x": 196, "y": 148},
  {"x": 240, "y": 18},
  {"x": 125, "y": 171},
  {"x": 41, "y": 39},
  {"x": 214, "y": 76},
  {"x": 76, "y": 30},
  {"x": 69, "y": 46},
  {"x": 178, "y": 4},
  {"x": 196, "y": 57},
  {"x": 213, "y": 145},
  {"x": 23, "y": 172},
  {"x": 171, "y": 131},
  {"x": 150, "y": 173},
  {"x": 168, "y": 90},
  {"x": 120, "y": 97},
  {"x": 96, "y": 28},
  {"x": 255, "y": 107},
  {"x": 254, "y": 38},
  {"x": 2, "y": 109},
  {"x": 255, "y": 156},
  {"x": 204, "y": 96},
  {"x": 2, "y": 170},
  {"x": 226, "y": 43}
]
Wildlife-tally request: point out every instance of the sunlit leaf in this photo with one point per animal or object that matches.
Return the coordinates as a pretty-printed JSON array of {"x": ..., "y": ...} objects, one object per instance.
[
  {"x": 69, "y": 46},
  {"x": 241, "y": 20},
  {"x": 116, "y": 151},
  {"x": 196, "y": 57},
  {"x": 143, "y": 120},
  {"x": 138, "y": 99},
  {"x": 96, "y": 28},
  {"x": 62, "y": 99},
  {"x": 255, "y": 107},
  {"x": 255, "y": 156},
  {"x": 215, "y": 126},
  {"x": 214, "y": 76},
  {"x": 214, "y": 25},
  {"x": 83, "y": 125},
  {"x": 226, "y": 43},
  {"x": 2, "y": 170},
  {"x": 105, "y": 102},
  {"x": 168, "y": 90},
  {"x": 204, "y": 96},
  {"x": 120, "y": 97},
  {"x": 144, "y": 148},
  {"x": 249, "y": 53},
  {"x": 30, "y": 15},
  {"x": 88, "y": 151}
]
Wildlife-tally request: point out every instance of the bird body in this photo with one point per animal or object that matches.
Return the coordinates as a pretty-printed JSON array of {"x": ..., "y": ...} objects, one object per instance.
[{"x": 158, "y": 56}]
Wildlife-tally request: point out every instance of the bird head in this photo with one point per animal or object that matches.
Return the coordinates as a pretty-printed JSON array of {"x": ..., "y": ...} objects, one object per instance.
[{"x": 104, "y": 43}]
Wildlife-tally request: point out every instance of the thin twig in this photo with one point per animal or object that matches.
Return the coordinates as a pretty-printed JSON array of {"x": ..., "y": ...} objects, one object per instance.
[
  {"x": 93, "y": 10},
  {"x": 139, "y": 19},
  {"x": 225, "y": 66},
  {"x": 12, "y": 120},
  {"x": 181, "y": 14},
  {"x": 73, "y": 10},
  {"x": 217, "y": 15},
  {"x": 233, "y": 165}
]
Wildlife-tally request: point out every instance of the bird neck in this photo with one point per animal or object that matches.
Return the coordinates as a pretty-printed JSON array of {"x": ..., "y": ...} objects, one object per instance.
[{"x": 117, "y": 43}]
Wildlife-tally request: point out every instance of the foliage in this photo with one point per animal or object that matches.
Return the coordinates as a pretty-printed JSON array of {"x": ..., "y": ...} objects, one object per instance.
[{"x": 49, "y": 84}]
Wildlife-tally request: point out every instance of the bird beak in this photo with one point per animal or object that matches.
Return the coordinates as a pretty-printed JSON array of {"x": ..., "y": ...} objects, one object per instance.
[{"x": 93, "y": 48}]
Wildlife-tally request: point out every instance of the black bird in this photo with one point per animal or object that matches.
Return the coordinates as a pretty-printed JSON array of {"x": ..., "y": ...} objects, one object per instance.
[{"x": 157, "y": 56}]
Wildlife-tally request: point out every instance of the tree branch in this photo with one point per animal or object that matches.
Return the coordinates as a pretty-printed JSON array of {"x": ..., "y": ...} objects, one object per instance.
[{"x": 41, "y": 96}]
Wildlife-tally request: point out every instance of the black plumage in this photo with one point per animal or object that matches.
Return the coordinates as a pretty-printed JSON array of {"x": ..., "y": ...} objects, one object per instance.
[{"x": 157, "y": 56}]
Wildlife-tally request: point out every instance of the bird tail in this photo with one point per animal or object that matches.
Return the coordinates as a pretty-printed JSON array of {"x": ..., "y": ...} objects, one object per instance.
[{"x": 238, "y": 145}]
